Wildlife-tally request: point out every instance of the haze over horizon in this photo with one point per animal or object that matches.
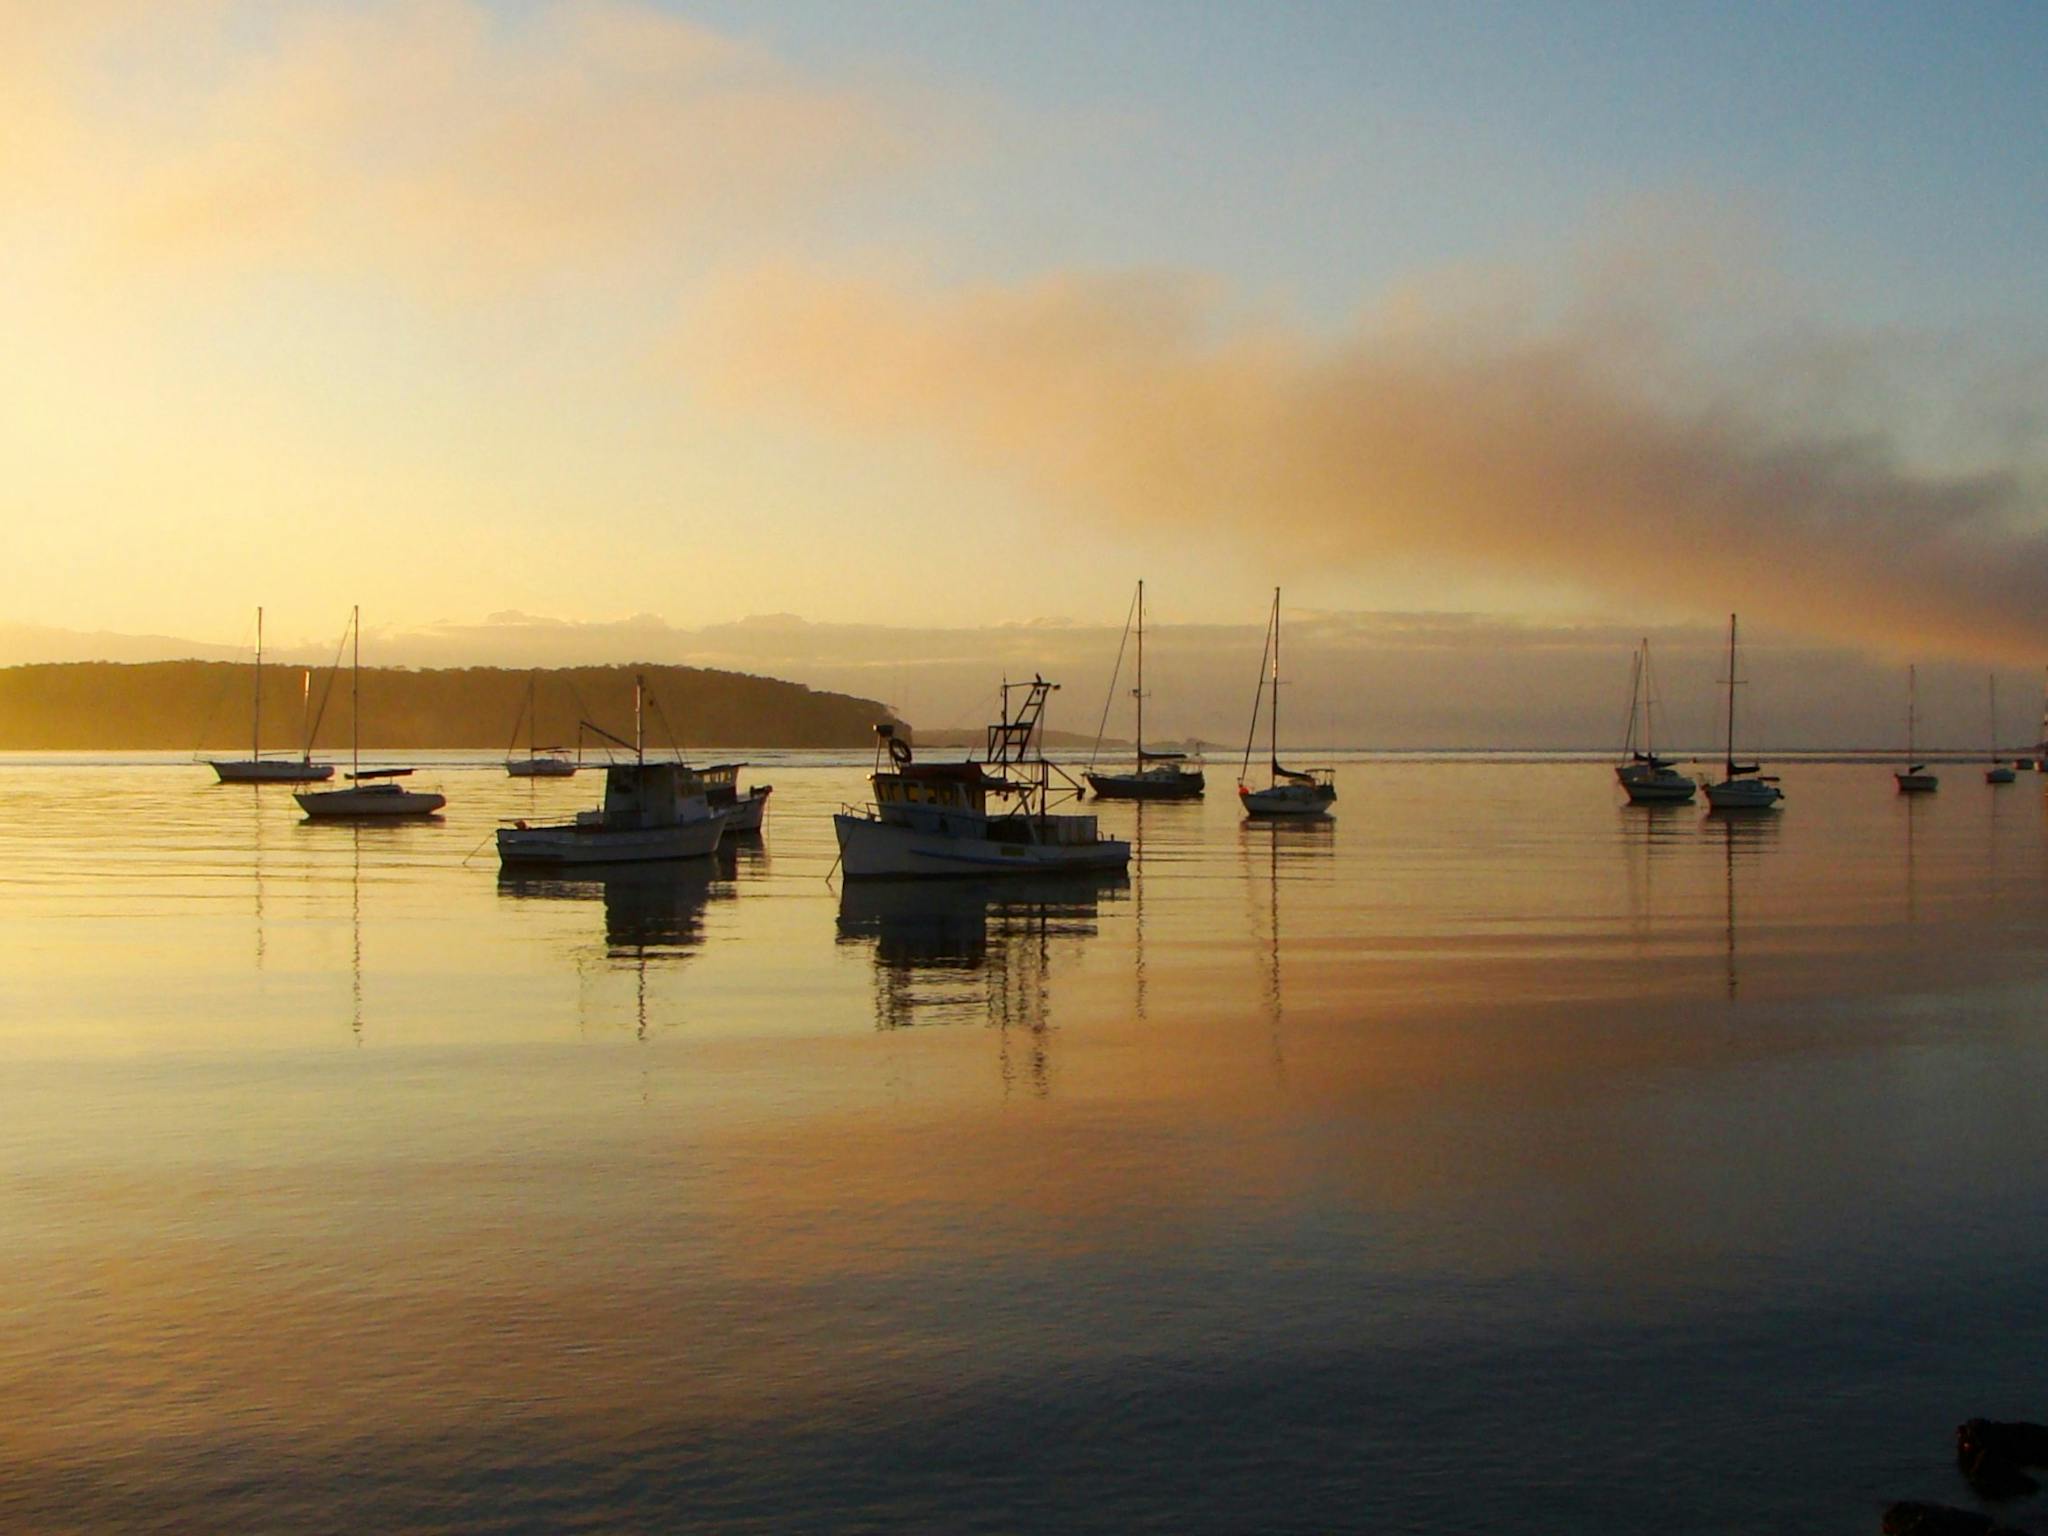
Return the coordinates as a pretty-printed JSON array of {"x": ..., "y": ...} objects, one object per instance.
[
  {"x": 1489, "y": 334},
  {"x": 1354, "y": 679}
]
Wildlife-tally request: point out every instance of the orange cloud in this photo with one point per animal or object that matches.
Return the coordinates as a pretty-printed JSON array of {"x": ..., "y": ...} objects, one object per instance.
[{"x": 1573, "y": 451}]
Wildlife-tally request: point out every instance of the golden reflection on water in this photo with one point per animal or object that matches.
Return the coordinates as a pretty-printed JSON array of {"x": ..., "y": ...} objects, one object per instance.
[{"x": 316, "y": 1133}]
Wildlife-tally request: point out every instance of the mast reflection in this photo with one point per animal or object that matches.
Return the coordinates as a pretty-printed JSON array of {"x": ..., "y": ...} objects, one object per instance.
[
  {"x": 974, "y": 951},
  {"x": 1744, "y": 835},
  {"x": 1273, "y": 851}
]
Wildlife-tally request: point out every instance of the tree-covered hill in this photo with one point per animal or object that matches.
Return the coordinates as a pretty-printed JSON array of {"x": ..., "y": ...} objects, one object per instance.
[{"x": 176, "y": 705}]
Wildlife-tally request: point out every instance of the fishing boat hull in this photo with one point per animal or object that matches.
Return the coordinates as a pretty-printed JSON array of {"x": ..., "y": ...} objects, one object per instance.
[
  {"x": 540, "y": 767},
  {"x": 873, "y": 849},
  {"x": 271, "y": 770},
  {"x": 579, "y": 844},
  {"x": 1146, "y": 786},
  {"x": 1917, "y": 783},
  {"x": 743, "y": 817},
  {"x": 1743, "y": 795},
  {"x": 1293, "y": 800},
  {"x": 367, "y": 802}
]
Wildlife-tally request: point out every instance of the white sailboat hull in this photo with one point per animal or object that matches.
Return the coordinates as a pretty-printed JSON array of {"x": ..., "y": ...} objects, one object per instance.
[
  {"x": 575, "y": 843},
  {"x": 870, "y": 848},
  {"x": 1288, "y": 800},
  {"x": 364, "y": 801},
  {"x": 270, "y": 770}
]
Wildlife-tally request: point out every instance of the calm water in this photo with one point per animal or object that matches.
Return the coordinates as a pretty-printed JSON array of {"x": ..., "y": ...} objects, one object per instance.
[{"x": 1495, "y": 1158}]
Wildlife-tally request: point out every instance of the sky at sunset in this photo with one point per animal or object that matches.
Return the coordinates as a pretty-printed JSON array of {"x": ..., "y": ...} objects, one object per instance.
[{"x": 938, "y": 317}]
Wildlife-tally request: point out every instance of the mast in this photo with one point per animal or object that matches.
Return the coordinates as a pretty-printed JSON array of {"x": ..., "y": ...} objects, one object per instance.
[
  {"x": 355, "y": 694},
  {"x": 1731, "y": 696},
  {"x": 1139, "y": 691},
  {"x": 256, "y": 715},
  {"x": 1273, "y": 743},
  {"x": 1630, "y": 740},
  {"x": 639, "y": 733},
  {"x": 1994, "y": 716},
  {"x": 1649, "y": 708},
  {"x": 1912, "y": 699}
]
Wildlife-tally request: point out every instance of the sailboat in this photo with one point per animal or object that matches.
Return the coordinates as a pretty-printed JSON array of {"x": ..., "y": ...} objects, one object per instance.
[
  {"x": 1914, "y": 779},
  {"x": 540, "y": 762},
  {"x": 1648, "y": 778},
  {"x": 1288, "y": 791},
  {"x": 1997, "y": 773},
  {"x": 1153, "y": 775},
  {"x": 256, "y": 768},
  {"x": 1742, "y": 788},
  {"x": 371, "y": 791},
  {"x": 651, "y": 811}
]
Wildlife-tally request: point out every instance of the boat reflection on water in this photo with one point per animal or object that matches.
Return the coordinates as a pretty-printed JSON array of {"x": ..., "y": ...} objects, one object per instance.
[
  {"x": 974, "y": 951},
  {"x": 651, "y": 911},
  {"x": 653, "y": 915}
]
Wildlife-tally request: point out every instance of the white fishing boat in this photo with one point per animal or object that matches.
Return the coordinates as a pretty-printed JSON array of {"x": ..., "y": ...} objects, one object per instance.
[
  {"x": 256, "y": 768},
  {"x": 1742, "y": 787},
  {"x": 372, "y": 792},
  {"x": 1997, "y": 773},
  {"x": 1914, "y": 779},
  {"x": 1288, "y": 792},
  {"x": 1153, "y": 775},
  {"x": 973, "y": 818},
  {"x": 540, "y": 762},
  {"x": 744, "y": 810},
  {"x": 651, "y": 811},
  {"x": 1648, "y": 778}
]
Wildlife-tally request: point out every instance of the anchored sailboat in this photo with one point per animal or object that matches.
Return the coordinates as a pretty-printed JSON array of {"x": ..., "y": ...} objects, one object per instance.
[
  {"x": 1742, "y": 788},
  {"x": 1914, "y": 779},
  {"x": 1997, "y": 773},
  {"x": 1648, "y": 778},
  {"x": 1154, "y": 775},
  {"x": 256, "y": 768},
  {"x": 1288, "y": 791},
  {"x": 371, "y": 791},
  {"x": 540, "y": 762}
]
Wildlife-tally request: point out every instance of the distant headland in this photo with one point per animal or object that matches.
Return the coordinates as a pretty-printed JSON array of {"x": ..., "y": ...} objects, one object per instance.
[{"x": 177, "y": 705}]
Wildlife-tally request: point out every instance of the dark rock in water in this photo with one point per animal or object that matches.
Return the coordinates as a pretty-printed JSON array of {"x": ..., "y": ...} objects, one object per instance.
[
  {"x": 2015, "y": 1442},
  {"x": 1915, "y": 1519},
  {"x": 1995, "y": 1478}
]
